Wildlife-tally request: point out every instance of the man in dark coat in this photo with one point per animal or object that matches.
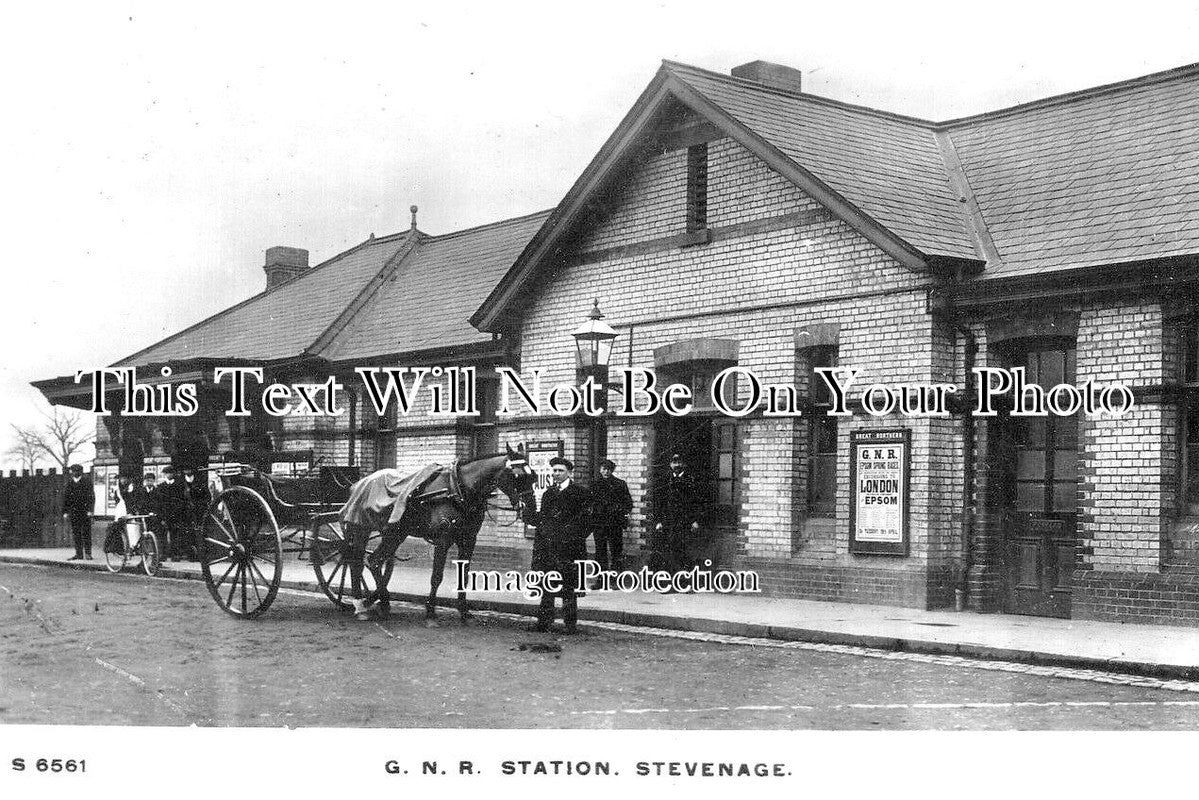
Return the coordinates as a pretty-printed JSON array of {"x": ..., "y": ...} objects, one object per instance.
[
  {"x": 198, "y": 497},
  {"x": 169, "y": 502},
  {"x": 610, "y": 507},
  {"x": 561, "y": 540},
  {"x": 78, "y": 502},
  {"x": 137, "y": 496},
  {"x": 677, "y": 508}
]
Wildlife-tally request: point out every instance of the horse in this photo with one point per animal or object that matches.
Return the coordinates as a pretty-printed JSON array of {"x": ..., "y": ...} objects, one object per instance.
[{"x": 445, "y": 509}]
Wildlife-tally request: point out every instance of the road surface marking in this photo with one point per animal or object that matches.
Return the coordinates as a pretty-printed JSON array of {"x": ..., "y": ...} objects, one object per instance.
[{"x": 141, "y": 684}]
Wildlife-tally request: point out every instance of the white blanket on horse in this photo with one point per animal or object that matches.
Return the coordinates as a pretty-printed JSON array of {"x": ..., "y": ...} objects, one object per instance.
[{"x": 380, "y": 498}]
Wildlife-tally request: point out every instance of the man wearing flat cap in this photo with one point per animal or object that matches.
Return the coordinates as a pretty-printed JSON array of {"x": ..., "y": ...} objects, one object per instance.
[
  {"x": 78, "y": 502},
  {"x": 561, "y": 540}
]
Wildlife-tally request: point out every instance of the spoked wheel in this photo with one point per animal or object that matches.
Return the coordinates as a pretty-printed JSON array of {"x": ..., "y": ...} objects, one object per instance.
[
  {"x": 330, "y": 556},
  {"x": 148, "y": 547},
  {"x": 242, "y": 552},
  {"x": 115, "y": 562}
]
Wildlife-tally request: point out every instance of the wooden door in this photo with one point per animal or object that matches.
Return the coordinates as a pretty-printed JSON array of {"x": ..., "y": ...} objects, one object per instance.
[{"x": 1043, "y": 473}]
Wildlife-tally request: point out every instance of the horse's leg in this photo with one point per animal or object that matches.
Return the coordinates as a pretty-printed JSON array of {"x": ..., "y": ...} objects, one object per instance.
[
  {"x": 440, "y": 550},
  {"x": 357, "y": 536},
  {"x": 392, "y": 539},
  {"x": 466, "y": 550}
]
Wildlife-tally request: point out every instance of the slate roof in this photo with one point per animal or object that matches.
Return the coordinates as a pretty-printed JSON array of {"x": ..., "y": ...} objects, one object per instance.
[
  {"x": 423, "y": 302},
  {"x": 436, "y": 289},
  {"x": 1102, "y": 177},
  {"x": 280, "y": 323},
  {"x": 887, "y": 165},
  {"x": 1105, "y": 175}
]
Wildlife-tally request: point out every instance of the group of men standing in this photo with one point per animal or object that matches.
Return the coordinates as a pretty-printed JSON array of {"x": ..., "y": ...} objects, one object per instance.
[
  {"x": 569, "y": 513},
  {"x": 178, "y": 505}
]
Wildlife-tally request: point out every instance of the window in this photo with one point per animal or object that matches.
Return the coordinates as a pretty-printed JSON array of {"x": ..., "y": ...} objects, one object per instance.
[
  {"x": 484, "y": 436},
  {"x": 724, "y": 439},
  {"x": 822, "y": 436},
  {"x": 697, "y": 187},
  {"x": 1189, "y": 457},
  {"x": 699, "y": 376},
  {"x": 1047, "y": 447}
]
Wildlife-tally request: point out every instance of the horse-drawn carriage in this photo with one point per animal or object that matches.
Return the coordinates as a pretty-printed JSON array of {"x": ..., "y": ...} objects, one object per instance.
[{"x": 256, "y": 519}]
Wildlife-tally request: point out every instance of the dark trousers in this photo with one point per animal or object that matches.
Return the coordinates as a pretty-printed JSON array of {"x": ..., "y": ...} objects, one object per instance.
[
  {"x": 570, "y": 607},
  {"x": 609, "y": 545},
  {"x": 570, "y": 601},
  {"x": 81, "y": 530},
  {"x": 670, "y": 548}
]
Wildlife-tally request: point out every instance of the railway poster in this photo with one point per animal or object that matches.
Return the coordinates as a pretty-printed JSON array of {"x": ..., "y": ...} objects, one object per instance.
[{"x": 879, "y": 461}]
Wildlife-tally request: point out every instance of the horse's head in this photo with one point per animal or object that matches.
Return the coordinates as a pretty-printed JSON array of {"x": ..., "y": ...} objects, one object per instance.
[{"x": 516, "y": 479}]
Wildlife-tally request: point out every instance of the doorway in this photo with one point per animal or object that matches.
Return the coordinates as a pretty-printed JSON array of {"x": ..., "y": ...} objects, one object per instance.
[
  {"x": 710, "y": 449},
  {"x": 1040, "y": 470}
]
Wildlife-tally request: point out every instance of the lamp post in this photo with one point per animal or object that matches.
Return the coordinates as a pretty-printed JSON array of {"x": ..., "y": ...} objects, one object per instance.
[{"x": 593, "y": 350}]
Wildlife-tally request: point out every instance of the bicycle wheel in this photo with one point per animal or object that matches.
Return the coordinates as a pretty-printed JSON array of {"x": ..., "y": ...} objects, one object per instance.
[
  {"x": 148, "y": 547},
  {"x": 329, "y": 554},
  {"x": 115, "y": 562}
]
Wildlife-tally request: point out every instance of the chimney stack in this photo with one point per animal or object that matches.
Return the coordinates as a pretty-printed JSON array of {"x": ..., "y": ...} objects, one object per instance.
[
  {"x": 413, "y": 209},
  {"x": 775, "y": 75},
  {"x": 283, "y": 264}
]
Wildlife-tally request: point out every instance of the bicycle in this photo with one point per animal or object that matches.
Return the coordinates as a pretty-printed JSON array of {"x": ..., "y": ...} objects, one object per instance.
[{"x": 136, "y": 541}]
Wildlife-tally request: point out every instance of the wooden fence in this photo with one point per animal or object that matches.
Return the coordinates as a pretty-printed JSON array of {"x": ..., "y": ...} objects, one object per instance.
[{"x": 31, "y": 509}]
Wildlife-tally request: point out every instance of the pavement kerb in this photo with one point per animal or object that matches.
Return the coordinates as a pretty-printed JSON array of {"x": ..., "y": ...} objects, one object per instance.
[{"x": 731, "y": 628}]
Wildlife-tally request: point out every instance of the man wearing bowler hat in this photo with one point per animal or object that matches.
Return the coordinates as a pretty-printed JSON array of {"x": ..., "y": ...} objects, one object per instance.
[
  {"x": 78, "y": 502},
  {"x": 561, "y": 540}
]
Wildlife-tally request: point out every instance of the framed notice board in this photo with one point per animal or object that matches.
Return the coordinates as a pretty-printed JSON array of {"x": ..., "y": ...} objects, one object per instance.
[{"x": 879, "y": 466}]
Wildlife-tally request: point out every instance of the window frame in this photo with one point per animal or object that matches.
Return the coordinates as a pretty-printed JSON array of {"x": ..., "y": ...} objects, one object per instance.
[{"x": 820, "y": 422}]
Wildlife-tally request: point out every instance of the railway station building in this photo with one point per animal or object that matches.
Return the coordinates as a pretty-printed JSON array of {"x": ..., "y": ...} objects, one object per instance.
[{"x": 737, "y": 221}]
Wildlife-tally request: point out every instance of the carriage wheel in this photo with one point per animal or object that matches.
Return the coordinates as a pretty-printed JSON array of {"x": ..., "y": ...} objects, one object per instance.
[
  {"x": 330, "y": 552},
  {"x": 242, "y": 552},
  {"x": 148, "y": 547}
]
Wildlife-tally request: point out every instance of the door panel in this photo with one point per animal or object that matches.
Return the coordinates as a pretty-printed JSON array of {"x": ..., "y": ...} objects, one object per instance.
[{"x": 1041, "y": 473}]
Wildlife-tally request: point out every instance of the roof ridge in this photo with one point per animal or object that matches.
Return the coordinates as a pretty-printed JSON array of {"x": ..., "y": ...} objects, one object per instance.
[
  {"x": 1163, "y": 76},
  {"x": 800, "y": 95},
  {"x": 248, "y": 300},
  {"x": 362, "y": 297},
  {"x": 487, "y": 225}
]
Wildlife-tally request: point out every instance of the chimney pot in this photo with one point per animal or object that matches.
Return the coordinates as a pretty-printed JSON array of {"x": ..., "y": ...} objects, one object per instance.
[{"x": 770, "y": 74}]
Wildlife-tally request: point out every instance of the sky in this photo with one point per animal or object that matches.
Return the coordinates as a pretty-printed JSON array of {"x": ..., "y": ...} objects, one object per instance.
[{"x": 151, "y": 155}]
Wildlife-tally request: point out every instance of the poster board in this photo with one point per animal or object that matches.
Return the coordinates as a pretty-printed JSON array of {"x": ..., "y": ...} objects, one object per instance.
[
  {"x": 539, "y": 455},
  {"x": 879, "y": 466}
]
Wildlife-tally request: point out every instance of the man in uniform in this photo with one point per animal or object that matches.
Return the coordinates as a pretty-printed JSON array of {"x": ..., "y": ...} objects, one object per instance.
[
  {"x": 78, "y": 502},
  {"x": 610, "y": 507},
  {"x": 677, "y": 509},
  {"x": 561, "y": 540}
]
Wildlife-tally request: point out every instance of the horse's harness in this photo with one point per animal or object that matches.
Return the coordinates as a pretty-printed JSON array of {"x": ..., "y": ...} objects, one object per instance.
[{"x": 454, "y": 494}]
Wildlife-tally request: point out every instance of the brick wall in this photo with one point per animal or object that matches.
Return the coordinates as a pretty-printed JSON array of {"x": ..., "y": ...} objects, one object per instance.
[{"x": 757, "y": 287}]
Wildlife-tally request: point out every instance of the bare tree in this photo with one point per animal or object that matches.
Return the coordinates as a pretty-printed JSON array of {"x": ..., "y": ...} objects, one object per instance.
[
  {"x": 24, "y": 450},
  {"x": 62, "y": 435}
]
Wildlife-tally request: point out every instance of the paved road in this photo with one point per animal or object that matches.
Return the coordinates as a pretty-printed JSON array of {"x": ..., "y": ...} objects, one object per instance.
[{"x": 90, "y": 648}]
